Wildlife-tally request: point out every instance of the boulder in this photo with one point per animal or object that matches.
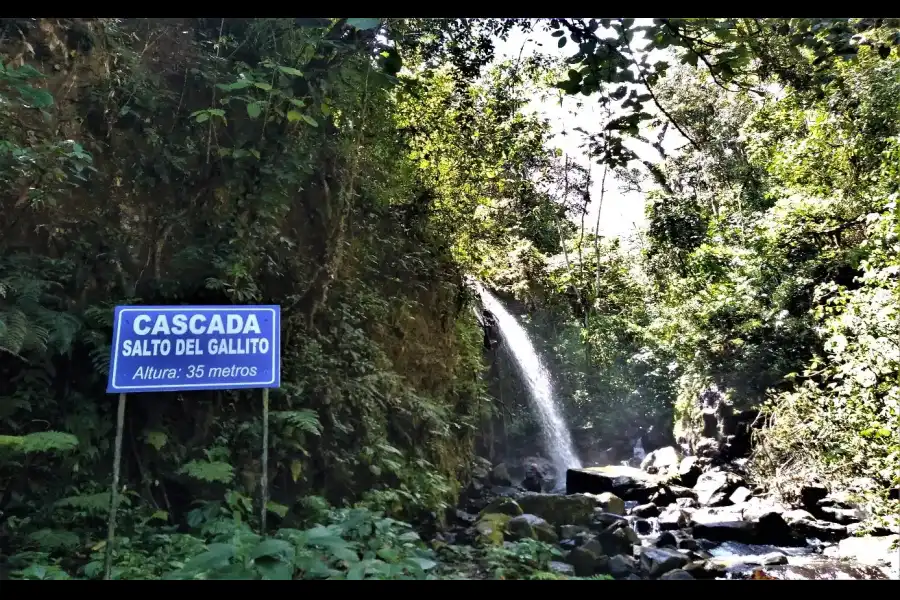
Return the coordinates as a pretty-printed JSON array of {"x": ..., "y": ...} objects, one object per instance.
[
  {"x": 531, "y": 527},
  {"x": 657, "y": 561},
  {"x": 873, "y": 551},
  {"x": 601, "y": 520},
  {"x": 490, "y": 529},
  {"x": 677, "y": 574},
  {"x": 688, "y": 471},
  {"x": 740, "y": 495},
  {"x": 625, "y": 482},
  {"x": 558, "y": 510},
  {"x": 661, "y": 461},
  {"x": 714, "y": 487},
  {"x": 814, "y": 569},
  {"x": 588, "y": 560},
  {"x": 500, "y": 476},
  {"x": 503, "y": 506},
  {"x": 621, "y": 566},
  {"x": 804, "y": 525},
  {"x": 673, "y": 518},
  {"x": 611, "y": 503},
  {"x": 481, "y": 469},
  {"x": 643, "y": 527},
  {"x": 646, "y": 510},
  {"x": 617, "y": 540},
  {"x": 568, "y": 532}
]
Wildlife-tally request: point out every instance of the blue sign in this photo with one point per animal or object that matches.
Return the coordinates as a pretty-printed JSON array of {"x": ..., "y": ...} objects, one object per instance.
[{"x": 183, "y": 348}]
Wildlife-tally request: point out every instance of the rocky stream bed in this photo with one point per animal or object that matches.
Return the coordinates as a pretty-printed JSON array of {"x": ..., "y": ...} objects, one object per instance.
[{"x": 673, "y": 519}]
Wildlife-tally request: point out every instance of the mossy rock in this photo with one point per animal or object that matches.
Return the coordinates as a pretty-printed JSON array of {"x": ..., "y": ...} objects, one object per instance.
[
  {"x": 502, "y": 506},
  {"x": 531, "y": 527},
  {"x": 559, "y": 510},
  {"x": 611, "y": 503},
  {"x": 491, "y": 529}
]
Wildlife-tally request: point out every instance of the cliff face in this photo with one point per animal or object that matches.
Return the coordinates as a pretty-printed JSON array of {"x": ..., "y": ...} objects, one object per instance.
[{"x": 205, "y": 161}]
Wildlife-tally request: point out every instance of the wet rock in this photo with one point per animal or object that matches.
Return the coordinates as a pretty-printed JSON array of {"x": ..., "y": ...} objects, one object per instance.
[
  {"x": 503, "y": 506},
  {"x": 666, "y": 539},
  {"x": 621, "y": 566},
  {"x": 540, "y": 474},
  {"x": 804, "y": 525},
  {"x": 490, "y": 529},
  {"x": 533, "y": 482},
  {"x": 558, "y": 510},
  {"x": 643, "y": 527},
  {"x": 531, "y": 527},
  {"x": 588, "y": 560},
  {"x": 872, "y": 551},
  {"x": 500, "y": 476},
  {"x": 844, "y": 516},
  {"x": 657, "y": 561},
  {"x": 481, "y": 469},
  {"x": 708, "y": 448},
  {"x": 646, "y": 510},
  {"x": 702, "y": 569},
  {"x": 817, "y": 569},
  {"x": 724, "y": 531},
  {"x": 661, "y": 461},
  {"x": 625, "y": 482},
  {"x": 740, "y": 495},
  {"x": 688, "y": 471},
  {"x": 686, "y": 503},
  {"x": 768, "y": 559},
  {"x": 673, "y": 518},
  {"x": 562, "y": 568},
  {"x": 677, "y": 574}
]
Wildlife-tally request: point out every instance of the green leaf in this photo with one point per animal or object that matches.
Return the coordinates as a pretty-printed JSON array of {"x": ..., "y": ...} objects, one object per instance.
[
  {"x": 216, "y": 556},
  {"x": 293, "y": 115},
  {"x": 263, "y": 86},
  {"x": 424, "y": 563},
  {"x": 364, "y": 23},
  {"x": 274, "y": 548},
  {"x": 157, "y": 439},
  {"x": 202, "y": 117},
  {"x": 253, "y": 109},
  {"x": 291, "y": 71},
  {"x": 279, "y": 509},
  {"x": 310, "y": 120}
]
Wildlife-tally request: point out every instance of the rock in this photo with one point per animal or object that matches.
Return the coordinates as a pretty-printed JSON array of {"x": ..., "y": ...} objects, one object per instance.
[
  {"x": 688, "y": 471},
  {"x": 572, "y": 531},
  {"x": 506, "y": 491},
  {"x": 740, "y": 495},
  {"x": 531, "y": 527},
  {"x": 710, "y": 423},
  {"x": 725, "y": 531},
  {"x": 625, "y": 482},
  {"x": 490, "y": 529},
  {"x": 661, "y": 460},
  {"x": 657, "y": 561},
  {"x": 562, "y": 568},
  {"x": 666, "y": 539},
  {"x": 463, "y": 518},
  {"x": 844, "y": 516},
  {"x": 503, "y": 506},
  {"x": 481, "y": 469},
  {"x": 811, "y": 494},
  {"x": 880, "y": 552},
  {"x": 602, "y": 520},
  {"x": 686, "y": 503},
  {"x": 617, "y": 540},
  {"x": 816, "y": 569},
  {"x": 621, "y": 566},
  {"x": 611, "y": 503},
  {"x": 767, "y": 559},
  {"x": 558, "y": 510},
  {"x": 714, "y": 487},
  {"x": 677, "y": 574},
  {"x": 701, "y": 569},
  {"x": 500, "y": 475},
  {"x": 532, "y": 482},
  {"x": 818, "y": 529},
  {"x": 646, "y": 510},
  {"x": 540, "y": 474},
  {"x": 587, "y": 560},
  {"x": 673, "y": 518},
  {"x": 728, "y": 524}
]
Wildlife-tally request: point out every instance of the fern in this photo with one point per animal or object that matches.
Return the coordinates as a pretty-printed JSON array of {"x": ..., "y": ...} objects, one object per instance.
[
  {"x": 209, "y": 471},
  {"x": 49, "y": 539},
  {"x": 304, "y": 420},
  {"x": 55, "y": 442},
  {"x": 92, "y": 504}
]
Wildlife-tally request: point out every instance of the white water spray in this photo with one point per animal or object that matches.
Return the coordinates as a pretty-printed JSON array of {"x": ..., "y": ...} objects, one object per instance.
[{"x": 557, "y": 439}]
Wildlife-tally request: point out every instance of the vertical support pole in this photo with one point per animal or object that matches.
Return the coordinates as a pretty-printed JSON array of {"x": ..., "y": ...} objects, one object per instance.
[
  {"x": 114, "y": 490},
  {"x": 264, "y": 477}
]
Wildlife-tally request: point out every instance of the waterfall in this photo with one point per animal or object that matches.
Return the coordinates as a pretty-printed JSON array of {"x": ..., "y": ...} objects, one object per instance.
[{"x": 557, "y": 439}]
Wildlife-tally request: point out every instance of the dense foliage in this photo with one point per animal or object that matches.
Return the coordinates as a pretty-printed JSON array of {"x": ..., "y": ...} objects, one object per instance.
[{"x": 355, "y": 171}]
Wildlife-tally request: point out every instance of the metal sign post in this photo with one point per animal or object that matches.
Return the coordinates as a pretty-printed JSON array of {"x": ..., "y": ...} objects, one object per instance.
[{"x": 187, "y": 348}]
